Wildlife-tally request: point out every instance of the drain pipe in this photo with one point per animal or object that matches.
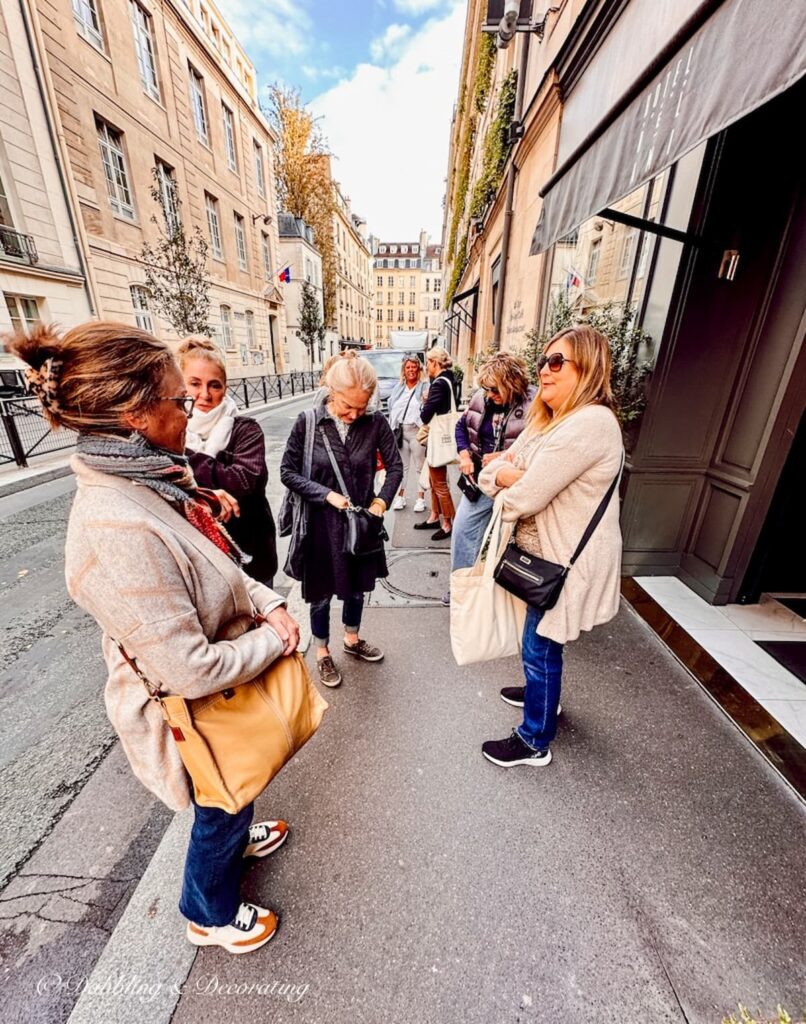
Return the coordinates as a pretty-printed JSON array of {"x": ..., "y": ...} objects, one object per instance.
[
  {"x": 57, "y": 155},
  {"x": 508, "y": 210}
]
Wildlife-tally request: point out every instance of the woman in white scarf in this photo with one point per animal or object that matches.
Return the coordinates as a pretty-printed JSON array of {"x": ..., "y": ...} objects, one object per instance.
[{"x": 228, "y": 452}]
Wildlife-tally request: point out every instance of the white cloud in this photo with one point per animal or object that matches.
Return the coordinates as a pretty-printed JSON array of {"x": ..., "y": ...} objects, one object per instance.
[
  {"x": 390, "y": 43},
  {"x": 417, "y": 6},
  {"x": 282, "y": 27},
  {"x": 389, "y": 130}
]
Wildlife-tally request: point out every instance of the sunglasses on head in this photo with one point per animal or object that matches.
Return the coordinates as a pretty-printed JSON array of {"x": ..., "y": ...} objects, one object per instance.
[{"x": 555, "y": 361}]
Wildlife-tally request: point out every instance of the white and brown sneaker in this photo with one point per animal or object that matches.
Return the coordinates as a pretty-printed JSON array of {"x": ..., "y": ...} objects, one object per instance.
[
  {"x": 265, "y": 837},
  {"x": 252, "y": 928}
]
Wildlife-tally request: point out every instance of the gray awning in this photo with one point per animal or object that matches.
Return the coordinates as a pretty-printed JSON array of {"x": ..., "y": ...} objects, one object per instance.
[{"x": 728, "y": 59}]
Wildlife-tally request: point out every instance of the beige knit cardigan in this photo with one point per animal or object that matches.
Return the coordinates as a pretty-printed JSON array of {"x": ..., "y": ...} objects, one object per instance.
[
  {"x": 567, "y": 472},
  {"x": 176, "y": 602}
]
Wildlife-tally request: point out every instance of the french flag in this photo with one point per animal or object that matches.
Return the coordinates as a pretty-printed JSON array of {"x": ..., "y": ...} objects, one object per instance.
[
  {"x": 285, "y": 275},
  {"x": 573, "y": 280}
]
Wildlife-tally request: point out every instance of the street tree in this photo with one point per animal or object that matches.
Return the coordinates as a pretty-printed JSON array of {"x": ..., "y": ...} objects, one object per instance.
[
  {"x": 176, "y": 267},
  {"x": 311, "y": 325},
  {"x": 304, "y": 185}
]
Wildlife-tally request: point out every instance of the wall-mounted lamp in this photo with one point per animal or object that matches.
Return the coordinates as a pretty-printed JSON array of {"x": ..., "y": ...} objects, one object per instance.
[{"x": 265, "y": 217}]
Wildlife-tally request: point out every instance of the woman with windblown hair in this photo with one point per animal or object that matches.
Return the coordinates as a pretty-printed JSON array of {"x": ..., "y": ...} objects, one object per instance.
[{"x": 147, "y": 557}]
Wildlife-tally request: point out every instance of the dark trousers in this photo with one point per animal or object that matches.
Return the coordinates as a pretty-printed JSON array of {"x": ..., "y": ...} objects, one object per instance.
[
  {"x": 211, "y": 889},
  {"x": 352, "y": 608}
]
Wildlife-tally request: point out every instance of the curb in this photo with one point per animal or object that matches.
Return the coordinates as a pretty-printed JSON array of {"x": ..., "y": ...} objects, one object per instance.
[{"x": 35, "y": 477}]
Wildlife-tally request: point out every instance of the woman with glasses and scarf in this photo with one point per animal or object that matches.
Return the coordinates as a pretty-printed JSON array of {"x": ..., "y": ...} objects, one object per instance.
[
  {"x": 147, "y": 557},
  {"x": 227, "y": 452},
  {"x": 554, "y": 479},
  {"x": 404, "y": 415},
  {"x": 494, "y": 418}
]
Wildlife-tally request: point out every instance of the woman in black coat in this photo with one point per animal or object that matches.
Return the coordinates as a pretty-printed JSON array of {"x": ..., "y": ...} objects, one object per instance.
[
  {"x": 228, "y": 452},
  {"x": 439, "y": 400},
  {"x": 355, "y": 437}
]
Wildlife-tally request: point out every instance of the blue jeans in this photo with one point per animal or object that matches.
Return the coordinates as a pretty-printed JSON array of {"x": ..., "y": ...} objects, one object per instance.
[
  {"x": 211, "y": 889},
  {"x": 472, "y": 519},
  {"x": 543, "y": 668},
  {"x": 352, "y": 607}
]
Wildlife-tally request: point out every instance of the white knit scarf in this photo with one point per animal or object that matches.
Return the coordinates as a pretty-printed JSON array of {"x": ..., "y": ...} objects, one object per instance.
[{"x": 209, "y": 432}]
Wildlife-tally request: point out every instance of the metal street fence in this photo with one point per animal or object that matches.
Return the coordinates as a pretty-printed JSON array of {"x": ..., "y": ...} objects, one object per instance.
[{"x": 24, "y": 433}]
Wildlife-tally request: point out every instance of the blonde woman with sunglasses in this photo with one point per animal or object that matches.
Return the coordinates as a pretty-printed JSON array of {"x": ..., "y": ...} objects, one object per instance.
[{"x": 554, "y": 478}]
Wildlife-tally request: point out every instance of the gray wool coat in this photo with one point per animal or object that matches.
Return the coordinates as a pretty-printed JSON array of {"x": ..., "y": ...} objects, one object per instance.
[{"x": 176, "y": 602}]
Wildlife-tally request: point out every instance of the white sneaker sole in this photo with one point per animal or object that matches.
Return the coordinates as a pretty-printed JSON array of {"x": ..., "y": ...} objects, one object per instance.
[
  {"x": 363, "y": 657},
  {"x": 519, "y": 704},
  {"x": 531, "y": 761},
  {"x": 264, "y": 851},
  {"x": 209, "y": 940}
]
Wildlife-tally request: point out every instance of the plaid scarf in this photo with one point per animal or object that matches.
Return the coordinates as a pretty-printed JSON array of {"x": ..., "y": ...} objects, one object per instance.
[{"x": 167, "y": 473}]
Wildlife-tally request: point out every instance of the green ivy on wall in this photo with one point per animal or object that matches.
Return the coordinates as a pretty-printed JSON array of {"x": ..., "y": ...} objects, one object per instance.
[
  {"x": 496, "y": 148},
  {"x": 484, "y": 72},
  {"x": 459, "y": 267}
]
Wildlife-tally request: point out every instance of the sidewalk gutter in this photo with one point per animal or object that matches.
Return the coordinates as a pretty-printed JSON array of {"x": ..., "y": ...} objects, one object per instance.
[
  {"x": 140, "y": 974},
  {"x": 34, "y": 476}
]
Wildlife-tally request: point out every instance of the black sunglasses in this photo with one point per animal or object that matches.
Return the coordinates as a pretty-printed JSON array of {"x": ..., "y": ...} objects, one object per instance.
[{"x": 555, "y": 361}]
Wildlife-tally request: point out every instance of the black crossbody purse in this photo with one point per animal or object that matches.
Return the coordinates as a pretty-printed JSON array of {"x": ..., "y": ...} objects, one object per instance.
[
  {"x": 364, "y": 533},
  {"x": 535, "y": 580}
]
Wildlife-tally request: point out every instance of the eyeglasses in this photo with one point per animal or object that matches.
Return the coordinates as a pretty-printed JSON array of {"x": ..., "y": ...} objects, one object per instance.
[
  {"x": 555, "y": 361},
  {"x": 185, "y": 401}
]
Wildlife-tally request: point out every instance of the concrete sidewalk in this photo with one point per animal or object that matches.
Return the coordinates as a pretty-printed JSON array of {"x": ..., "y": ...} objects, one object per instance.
[{"x": 653, "y": 872}]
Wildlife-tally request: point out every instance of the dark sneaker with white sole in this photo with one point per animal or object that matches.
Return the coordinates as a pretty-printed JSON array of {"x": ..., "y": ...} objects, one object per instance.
[
  {"x": 329, "y": 675},
  {"x": 514, "y": 695},
  {"x": 364, "y": 651},
  {"x": 511, "y": 751}
]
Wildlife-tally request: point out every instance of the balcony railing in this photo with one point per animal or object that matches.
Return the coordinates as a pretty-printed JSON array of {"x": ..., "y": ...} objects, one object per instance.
[{"x": 15, "y": 245}]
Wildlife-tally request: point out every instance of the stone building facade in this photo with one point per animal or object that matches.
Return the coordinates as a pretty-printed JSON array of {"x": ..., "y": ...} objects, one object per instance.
[
  {"x": 43, "y": 275},
  {"x": 407, "y": 288},
  {"x": 302, "y": 261},
  {"x": 353, "y": 313},
  {"x": 162, "y": 92}
]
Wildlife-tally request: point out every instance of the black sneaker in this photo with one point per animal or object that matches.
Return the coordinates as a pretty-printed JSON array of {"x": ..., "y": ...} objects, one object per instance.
[
  {"x": 512, "y": 751},
  {"x": 515, "y": 695}
]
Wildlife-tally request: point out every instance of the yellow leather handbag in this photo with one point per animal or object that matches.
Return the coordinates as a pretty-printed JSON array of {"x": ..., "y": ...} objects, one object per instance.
[{"x": 234, "y": 742}]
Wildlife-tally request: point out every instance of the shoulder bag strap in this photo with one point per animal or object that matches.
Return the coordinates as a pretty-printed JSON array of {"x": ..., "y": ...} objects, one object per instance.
[
  {"x": 335, "y": 466},
  {"x": 307, "y": 456},
  {"x": 153, "y": 692},
  {"x": 597, "y": 515},
  {"x": 408, "y": 403}
]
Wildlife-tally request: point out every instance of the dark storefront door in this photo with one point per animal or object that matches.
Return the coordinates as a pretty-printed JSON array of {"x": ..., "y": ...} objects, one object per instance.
[
  {"x": 778, "y": 564},
  {"x": 730, "y": 384}
]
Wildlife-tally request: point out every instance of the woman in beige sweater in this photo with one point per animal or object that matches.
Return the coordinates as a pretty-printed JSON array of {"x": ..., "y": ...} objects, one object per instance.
[
  {"x": 147, "y": 558},
  {"x": 554, "y": 477}
]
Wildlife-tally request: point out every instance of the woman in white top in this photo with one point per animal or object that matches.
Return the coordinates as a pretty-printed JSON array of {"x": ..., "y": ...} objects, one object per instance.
[
  {"x": 404, "y": 410},
  {"x": 555, "y": 476}
]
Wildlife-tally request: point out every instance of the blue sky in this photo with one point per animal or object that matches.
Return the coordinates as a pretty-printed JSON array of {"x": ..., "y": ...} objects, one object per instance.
[{"x": 382, "y": 75}]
